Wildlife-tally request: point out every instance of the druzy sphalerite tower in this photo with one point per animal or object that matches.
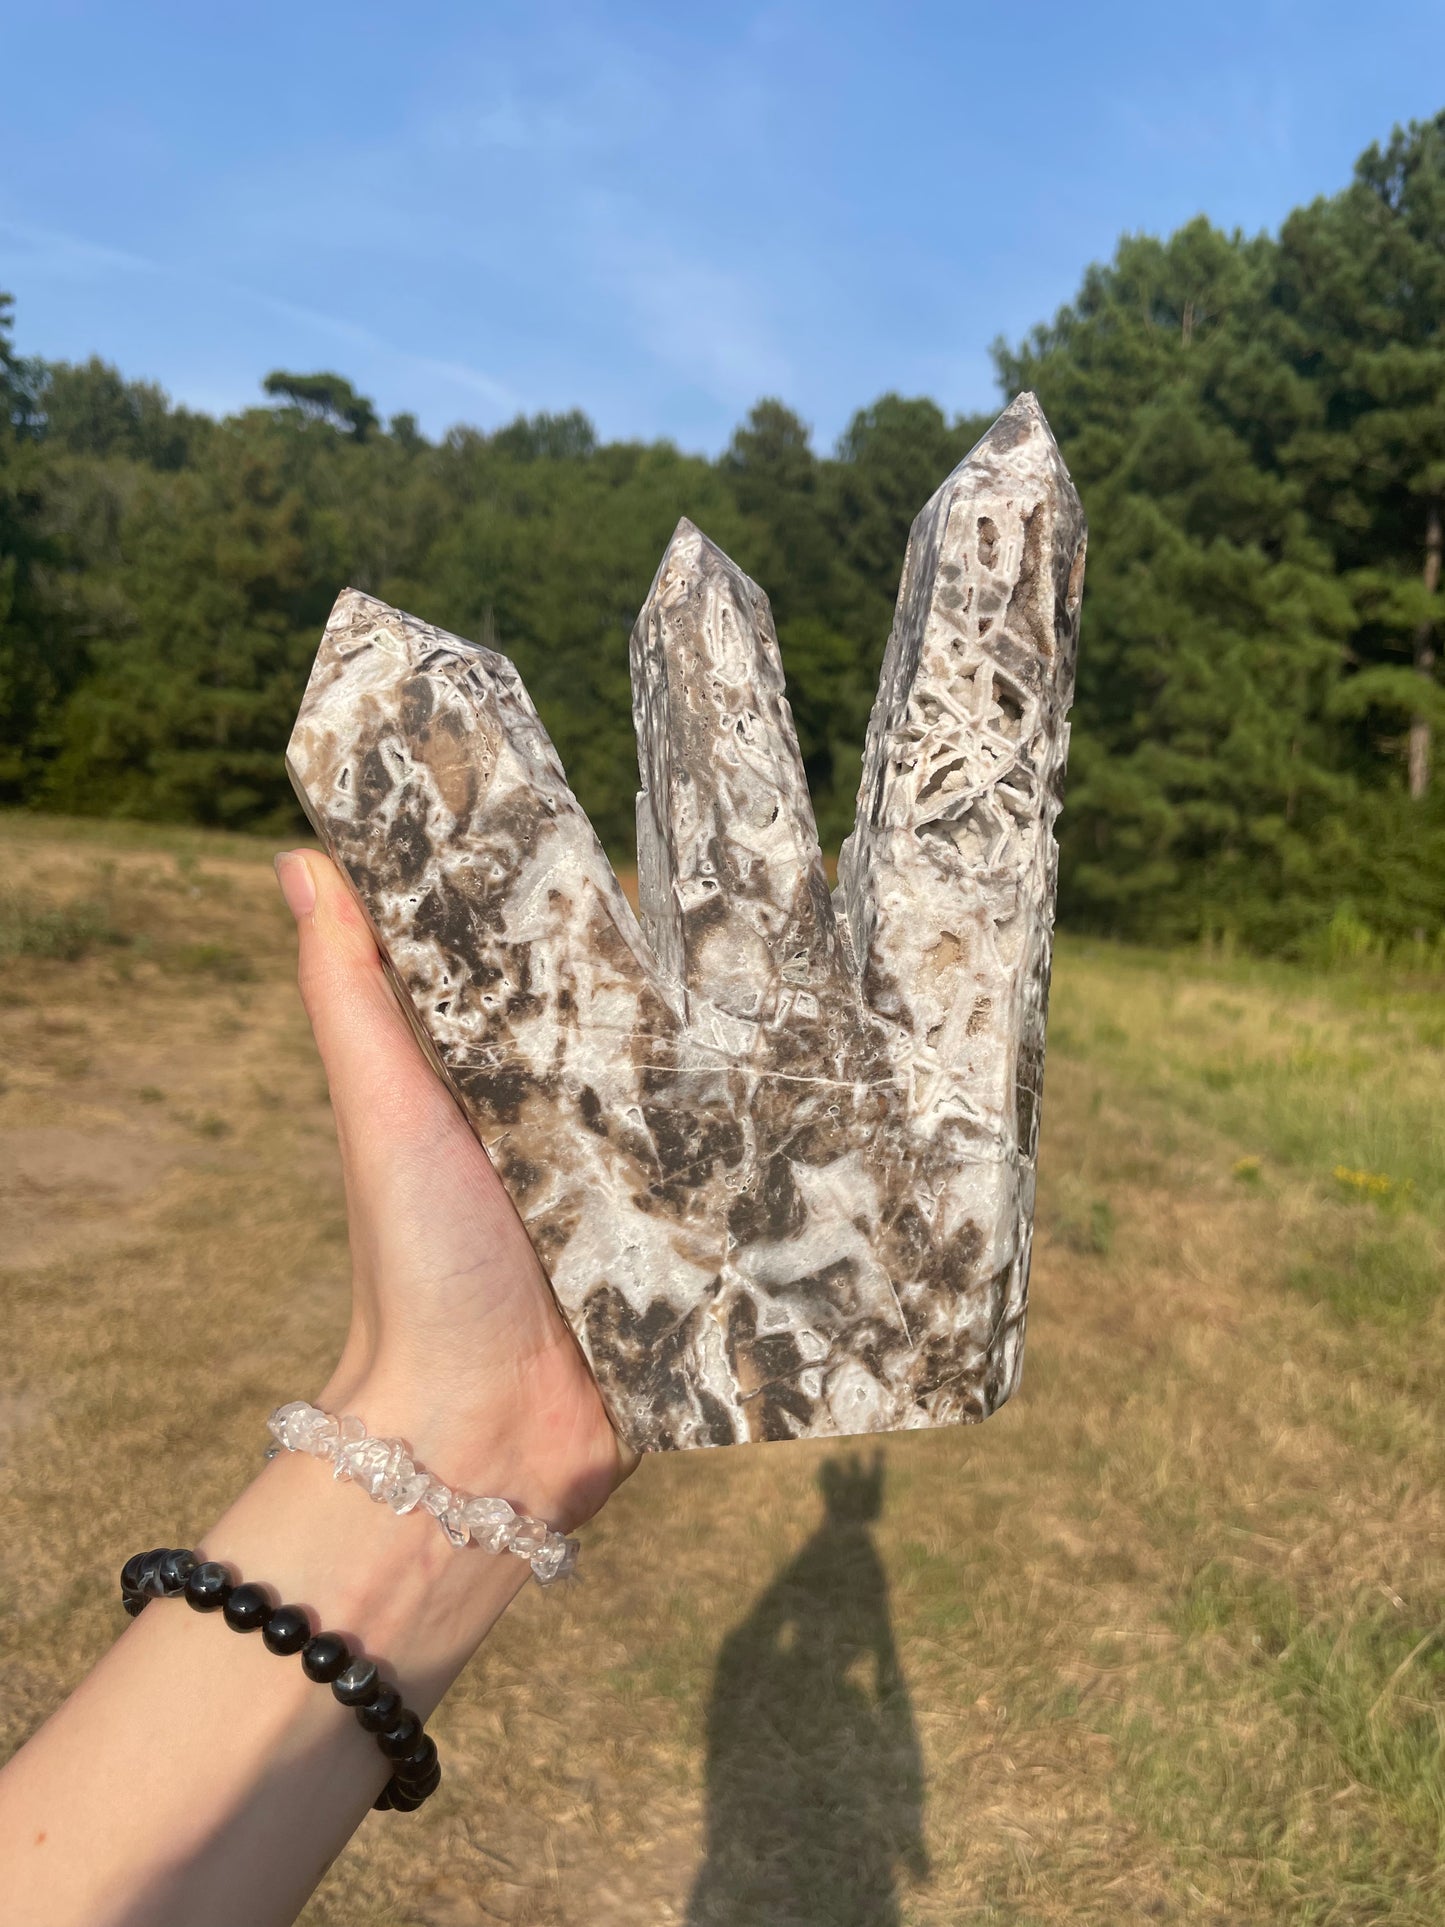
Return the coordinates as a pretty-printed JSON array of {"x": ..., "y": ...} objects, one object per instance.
[{"x": 774, "y": 1146}]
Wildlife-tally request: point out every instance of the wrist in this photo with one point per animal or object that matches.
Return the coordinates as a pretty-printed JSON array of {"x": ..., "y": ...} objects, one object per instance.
[
  {"x": 520, "y": 1447},
  {"x": 391, "y": 1586}
]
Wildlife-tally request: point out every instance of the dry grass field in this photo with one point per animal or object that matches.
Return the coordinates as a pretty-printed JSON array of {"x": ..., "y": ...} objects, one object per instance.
[{"x": 1165, "y": 1641}]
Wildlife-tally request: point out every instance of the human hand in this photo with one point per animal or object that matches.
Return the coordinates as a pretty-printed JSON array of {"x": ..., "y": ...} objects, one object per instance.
[{"x": 456, "y": 1343}]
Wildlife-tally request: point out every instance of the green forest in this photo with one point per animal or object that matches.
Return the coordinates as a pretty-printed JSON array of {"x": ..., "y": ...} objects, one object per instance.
[{"x": 1257, "y": 428}]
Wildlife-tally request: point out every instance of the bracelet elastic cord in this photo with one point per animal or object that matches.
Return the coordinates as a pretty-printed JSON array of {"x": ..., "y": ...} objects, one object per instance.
[
  {"x": 386, "y": 1471},
  {"x": 411, "y": 1754}
]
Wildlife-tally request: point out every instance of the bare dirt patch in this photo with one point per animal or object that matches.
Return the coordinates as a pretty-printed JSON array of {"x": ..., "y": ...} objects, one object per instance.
[{"x": 64, "y": 1190}]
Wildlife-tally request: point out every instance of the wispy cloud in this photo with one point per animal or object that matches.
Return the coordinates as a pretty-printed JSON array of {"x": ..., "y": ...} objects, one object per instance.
[
  {"x": 527, "y": 179},
  {"x": 473, "y": 380},
  {"x": 1250, "y": 112},
  {"x": 69, "y": 257},
  {"x": 696, "y": 312},
  {"x": 72, "y": 256}
]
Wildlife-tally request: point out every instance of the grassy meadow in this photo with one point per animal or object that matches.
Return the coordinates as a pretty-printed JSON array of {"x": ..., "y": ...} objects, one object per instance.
[{"x": 1164, "y": 1641}]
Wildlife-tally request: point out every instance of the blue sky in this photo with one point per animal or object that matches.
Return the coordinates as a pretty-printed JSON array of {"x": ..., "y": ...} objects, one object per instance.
[{"x": 657, "y": 213}]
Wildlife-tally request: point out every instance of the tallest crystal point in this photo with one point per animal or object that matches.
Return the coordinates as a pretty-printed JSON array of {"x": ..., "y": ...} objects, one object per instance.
[{"x": 776, "y": 1156}]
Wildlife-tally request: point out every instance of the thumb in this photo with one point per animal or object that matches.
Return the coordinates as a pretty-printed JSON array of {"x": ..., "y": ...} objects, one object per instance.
[{"x": 383, "y": 1090}]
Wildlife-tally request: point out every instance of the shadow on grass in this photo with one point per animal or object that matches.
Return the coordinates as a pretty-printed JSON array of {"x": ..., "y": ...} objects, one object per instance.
[{"x": 814, "y": 1776}]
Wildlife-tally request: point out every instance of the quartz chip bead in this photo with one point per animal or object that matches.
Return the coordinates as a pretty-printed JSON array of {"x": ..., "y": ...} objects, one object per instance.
[
  {"x": 446, "y": 1508},
  {"x": 368, "y": 1463},
  {"x": 527, "y": 1537},
  {"x": 351, "y": 1444},
  {"x": 489, "y": 1521},
  {"x": 407, "y": 1490},
  {"x": 554, "y": 1560},
  {"x": 302, "y": 1428},
  {"x": 281, "y": 1421}
]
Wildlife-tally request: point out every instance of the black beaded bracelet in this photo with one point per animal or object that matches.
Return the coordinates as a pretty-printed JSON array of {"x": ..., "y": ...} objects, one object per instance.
[{"x": 411, "y": 1753}]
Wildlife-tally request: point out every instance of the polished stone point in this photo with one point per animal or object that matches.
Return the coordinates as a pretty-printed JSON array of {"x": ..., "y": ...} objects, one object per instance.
[{"x": 775, "y": 1147}]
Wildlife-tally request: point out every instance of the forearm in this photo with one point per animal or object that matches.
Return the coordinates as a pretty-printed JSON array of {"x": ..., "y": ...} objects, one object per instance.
[{"x": 196, "y": 1776}]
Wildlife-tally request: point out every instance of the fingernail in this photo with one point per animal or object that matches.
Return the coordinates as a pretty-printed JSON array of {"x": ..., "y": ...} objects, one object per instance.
[{"x": 293, "y": 873}]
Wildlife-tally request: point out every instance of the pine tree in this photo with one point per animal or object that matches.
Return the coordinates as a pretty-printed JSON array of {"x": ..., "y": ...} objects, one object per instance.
[
  {"x": 186, "y": 705},
  {"x": 36, "y": 664},
  {"x": 1203, "y": 758},
  {"x": 1358, "y": 301}
]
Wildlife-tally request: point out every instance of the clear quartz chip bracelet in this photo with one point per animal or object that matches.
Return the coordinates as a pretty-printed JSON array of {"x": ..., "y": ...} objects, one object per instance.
[{"x": 385, "y": 1471}]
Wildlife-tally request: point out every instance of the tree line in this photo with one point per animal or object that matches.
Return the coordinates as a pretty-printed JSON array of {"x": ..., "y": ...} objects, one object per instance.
[{"x": 1257, "y": 428}]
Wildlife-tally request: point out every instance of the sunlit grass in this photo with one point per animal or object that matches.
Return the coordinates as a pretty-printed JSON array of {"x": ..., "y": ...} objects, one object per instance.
[{"x": 1165, "y": 1634}]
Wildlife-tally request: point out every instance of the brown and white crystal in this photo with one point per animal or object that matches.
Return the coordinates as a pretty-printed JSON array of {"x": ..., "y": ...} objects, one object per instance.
[{"x": 774, "y": 1146}]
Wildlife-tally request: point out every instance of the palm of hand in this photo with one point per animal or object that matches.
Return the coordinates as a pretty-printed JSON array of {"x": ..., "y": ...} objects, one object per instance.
[{"x": 455, "y": 1341}]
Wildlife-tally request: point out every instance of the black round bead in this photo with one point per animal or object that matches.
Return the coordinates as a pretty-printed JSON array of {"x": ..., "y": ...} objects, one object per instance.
[
  {"x": 209, "y": 1587},
  {"x": 403, "y": 1801},
  {"x": 382, "y": 1710},
  {"x": 134, "y": 1603},
  {"x": 130, "y": 1572},
  {"x": 173, "y": 1569},
  {"x": 287, "y": 1630},
  {"x": 419, "y": 1762},
  {"x": 248, "y": 1609},
  {"x": 357, "y": 1684},
  {"x": 323, "y": 1657},
  {"x": 382, "y": 1802},
  {"x": 148, "y": 1582},
  {"x": 401, "y": 1736},
  {"x": 426, "y": 1786}
]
